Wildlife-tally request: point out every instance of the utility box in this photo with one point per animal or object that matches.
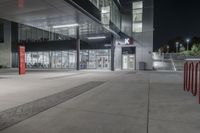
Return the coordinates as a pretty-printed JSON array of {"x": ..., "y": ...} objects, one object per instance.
[{"x": 142, "y": 65}]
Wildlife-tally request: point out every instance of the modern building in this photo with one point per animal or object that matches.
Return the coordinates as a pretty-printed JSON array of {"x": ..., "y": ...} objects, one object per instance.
[{"x": 72, "y": 34}]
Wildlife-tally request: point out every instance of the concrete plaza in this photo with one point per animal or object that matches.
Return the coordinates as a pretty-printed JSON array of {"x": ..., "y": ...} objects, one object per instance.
[{"x": 104, "y": 102}]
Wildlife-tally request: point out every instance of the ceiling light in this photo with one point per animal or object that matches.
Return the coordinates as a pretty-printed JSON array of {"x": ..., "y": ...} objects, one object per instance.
[
  {"x": 96, "y": 37},
  {"x": 65, "y": 26}
]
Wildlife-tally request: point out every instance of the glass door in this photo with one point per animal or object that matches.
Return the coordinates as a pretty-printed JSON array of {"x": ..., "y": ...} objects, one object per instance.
[
  {"x": 128, "y": 62},
  {"x": 102, "y": 62}
]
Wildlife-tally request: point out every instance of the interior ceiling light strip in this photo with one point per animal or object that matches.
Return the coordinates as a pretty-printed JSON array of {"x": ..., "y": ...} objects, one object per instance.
[
  {"x": 65, "y": 26},
  {"x": 96, "y": 37}
]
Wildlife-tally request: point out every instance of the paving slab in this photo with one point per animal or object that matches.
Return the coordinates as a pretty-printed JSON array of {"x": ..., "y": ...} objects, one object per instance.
[{"x": 128, "y": 102}]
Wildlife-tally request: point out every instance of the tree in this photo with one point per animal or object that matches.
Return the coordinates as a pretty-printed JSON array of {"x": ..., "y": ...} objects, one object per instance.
[{"x": 195, "y": 50}]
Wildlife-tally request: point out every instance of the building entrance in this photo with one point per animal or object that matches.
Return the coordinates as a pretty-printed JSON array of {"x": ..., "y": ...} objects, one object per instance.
[
  {"x": 128, "y": 62},
  {"x": 102, "y": 62},
  {"x": 128, "y": 58}
]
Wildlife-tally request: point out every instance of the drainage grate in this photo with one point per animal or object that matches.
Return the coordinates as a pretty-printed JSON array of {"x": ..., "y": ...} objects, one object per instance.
[{"x": 17, "y": 114}]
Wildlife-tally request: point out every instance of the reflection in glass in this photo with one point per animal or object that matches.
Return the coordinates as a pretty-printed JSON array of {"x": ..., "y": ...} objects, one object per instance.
[{"x": 89, "y": 59}]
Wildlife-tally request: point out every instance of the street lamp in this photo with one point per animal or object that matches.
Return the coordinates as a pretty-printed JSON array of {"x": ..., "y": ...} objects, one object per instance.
[
  {"x": 167, "y": 48},
  {"x": 187, "y": 40},
  {"x": 177, "y": 43}
]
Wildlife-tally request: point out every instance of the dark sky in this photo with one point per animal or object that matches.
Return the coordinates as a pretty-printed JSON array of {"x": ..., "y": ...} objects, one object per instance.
[{"x": 175, "y": 18}]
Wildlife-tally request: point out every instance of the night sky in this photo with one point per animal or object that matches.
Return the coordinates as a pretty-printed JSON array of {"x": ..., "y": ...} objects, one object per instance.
[{"x": 175, "y": 18}]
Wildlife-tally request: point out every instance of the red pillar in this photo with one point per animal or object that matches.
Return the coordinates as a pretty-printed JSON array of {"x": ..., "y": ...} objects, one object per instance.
[{"x": 22, "y": 65}]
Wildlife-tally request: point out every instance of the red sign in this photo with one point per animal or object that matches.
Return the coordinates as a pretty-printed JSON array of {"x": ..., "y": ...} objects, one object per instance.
[{"x": 22, "y": 66}]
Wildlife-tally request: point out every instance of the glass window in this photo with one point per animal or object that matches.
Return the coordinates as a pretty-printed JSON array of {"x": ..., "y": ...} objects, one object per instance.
[
  {"x": 115, "y": 14},
  {"x": 84, "y": 59},
  {"x": 137, "y": 5},
  {"x": 28, "y": 34},
  {"x": 137, "y": 27},
  {"x": 46, "y": 57},
  {"x": 1, "y": 33},
  {"x": 92, "y": 59},
  {"x": 65, "y": 59},
  {"x": 56, "y": 59},
  {"x": 105, "y": 15},
  {"x": 72, "y": 59},
  {"x": 34, "y": 59},
  {"x": 137, "y": 17}
]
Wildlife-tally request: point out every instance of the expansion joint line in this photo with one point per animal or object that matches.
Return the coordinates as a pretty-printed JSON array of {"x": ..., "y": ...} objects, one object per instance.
[{"x": 148, "y": 105}]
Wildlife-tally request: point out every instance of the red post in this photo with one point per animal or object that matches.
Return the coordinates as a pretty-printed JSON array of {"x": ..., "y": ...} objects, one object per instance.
[
  {"x": 191, "y": 77},
  {"x": 185, "y": 75},
  {"x": 22, "y": 66},
  {"x": 199, "y": 85},
  {"x": 196, "y": 78}
]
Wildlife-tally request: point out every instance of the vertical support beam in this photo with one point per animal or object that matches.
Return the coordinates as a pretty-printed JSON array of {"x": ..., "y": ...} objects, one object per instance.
[
  {"x": 77, "y": 49},
  {"x": 112, "y": 53}
]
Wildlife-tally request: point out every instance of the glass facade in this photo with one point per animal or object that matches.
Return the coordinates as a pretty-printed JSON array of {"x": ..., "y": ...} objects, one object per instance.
[
  {"x": 95, "y": 59},
  {"x": 31, "y": 34},
  {"x": 137, "y": 17},
  {"x": 51, "y": 59},
  {"x": 89, "y": 59},
  {"x": 109, "y": 12},
  {"x": 115, "y": 15}
]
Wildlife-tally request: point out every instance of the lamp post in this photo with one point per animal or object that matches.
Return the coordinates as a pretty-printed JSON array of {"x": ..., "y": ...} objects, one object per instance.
[
  {"x": 187, "y": 40},
  {"x": 167, "y": 48},
  {"x": 177, "y": 43}
]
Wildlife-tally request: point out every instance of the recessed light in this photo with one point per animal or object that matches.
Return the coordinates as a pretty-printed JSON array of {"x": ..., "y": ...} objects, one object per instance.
[
  {"x": 96, "y": 37},
  {"x": 65, "y": 26}
]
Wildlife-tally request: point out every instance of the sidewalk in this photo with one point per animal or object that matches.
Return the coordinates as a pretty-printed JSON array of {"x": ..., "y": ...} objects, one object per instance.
[{"x": 126, "y": 102}]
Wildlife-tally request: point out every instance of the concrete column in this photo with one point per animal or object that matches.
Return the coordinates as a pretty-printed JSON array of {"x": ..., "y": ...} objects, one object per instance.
[
  {"x": 78, "y": 49},
  {"x": 112, "y": 53}
]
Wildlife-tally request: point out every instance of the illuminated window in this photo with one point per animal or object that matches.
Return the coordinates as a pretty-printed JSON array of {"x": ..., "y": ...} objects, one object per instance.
[
  {"x": 137, "y": 27},
  {"x": 137, "y": 16},
  {"x": 137, "y": 5},
  {"x": 105, "y": 15}
]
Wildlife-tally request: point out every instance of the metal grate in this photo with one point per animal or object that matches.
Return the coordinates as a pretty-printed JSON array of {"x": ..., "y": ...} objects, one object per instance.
[{"x": 17, "y": 114}]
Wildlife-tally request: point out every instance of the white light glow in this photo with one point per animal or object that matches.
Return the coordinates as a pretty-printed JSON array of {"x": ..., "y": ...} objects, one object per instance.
[
  {"x": 65, "y": 26},
  {"x": 188, "y": 40},
  {"x": 96, "y": 37}
]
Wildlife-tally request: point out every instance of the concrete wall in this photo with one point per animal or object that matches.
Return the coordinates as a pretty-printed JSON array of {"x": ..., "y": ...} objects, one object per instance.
[
  {"x": 5, "y": 48},
  {"x": 144, "y": 44}
]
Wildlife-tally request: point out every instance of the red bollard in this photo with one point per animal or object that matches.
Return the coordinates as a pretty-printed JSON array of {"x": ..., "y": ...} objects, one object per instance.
[
  {"x": 199, "y": 85},
  {"x": 185, "y": 75},
  {"x": 196, "y": 78},
  {"x": 191, "y": 77}
]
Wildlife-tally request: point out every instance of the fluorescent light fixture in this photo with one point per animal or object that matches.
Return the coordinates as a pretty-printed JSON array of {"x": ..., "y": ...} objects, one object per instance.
[
  {"x": 96, "y": 37},
  {"x": 65, "y": 26}
]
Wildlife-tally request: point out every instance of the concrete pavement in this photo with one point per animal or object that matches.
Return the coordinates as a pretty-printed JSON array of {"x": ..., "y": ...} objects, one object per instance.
[{"x": 126, "y": 102}]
